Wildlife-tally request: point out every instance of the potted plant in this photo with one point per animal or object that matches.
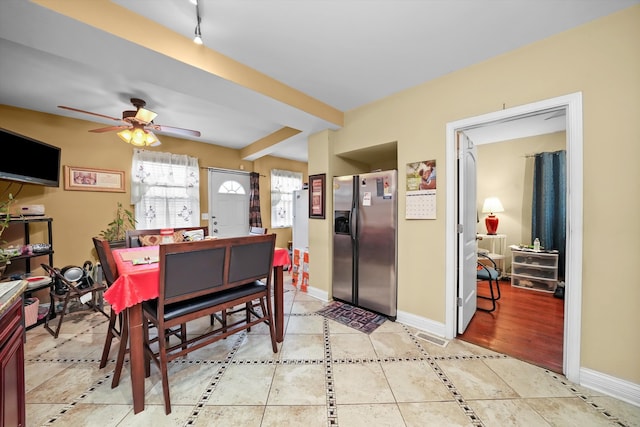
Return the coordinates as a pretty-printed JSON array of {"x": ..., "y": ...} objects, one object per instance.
[
  {"x": 5, "y": 217},
  {"x": 116, "y": 230}
]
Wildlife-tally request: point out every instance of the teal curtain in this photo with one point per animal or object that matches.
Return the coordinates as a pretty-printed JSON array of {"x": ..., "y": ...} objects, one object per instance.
[{"x": 549, "y": 216}]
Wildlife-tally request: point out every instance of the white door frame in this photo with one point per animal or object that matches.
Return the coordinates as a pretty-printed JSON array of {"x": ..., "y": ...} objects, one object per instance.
[{"x": 573, "y": 276}]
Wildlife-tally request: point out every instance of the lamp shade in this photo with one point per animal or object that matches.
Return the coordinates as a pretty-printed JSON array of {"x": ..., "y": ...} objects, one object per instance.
[
  {"x": 138, "y": 137},
  {"x": 492, "y": 205}
]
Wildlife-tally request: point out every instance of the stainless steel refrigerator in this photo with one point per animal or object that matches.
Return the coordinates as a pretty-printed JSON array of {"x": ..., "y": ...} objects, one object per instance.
[{"x": 364, "y": 241}]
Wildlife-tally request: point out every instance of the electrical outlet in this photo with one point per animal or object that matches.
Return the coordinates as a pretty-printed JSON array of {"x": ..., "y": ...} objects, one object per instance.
[{"x": 205, "y": 216}]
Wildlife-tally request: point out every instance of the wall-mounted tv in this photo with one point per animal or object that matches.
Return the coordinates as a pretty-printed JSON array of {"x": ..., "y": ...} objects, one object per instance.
[{"x": 27, "y": 160}]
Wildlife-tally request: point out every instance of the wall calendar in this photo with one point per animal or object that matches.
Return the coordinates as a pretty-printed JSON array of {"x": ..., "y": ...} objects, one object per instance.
[{"x": 421, "y": 190}]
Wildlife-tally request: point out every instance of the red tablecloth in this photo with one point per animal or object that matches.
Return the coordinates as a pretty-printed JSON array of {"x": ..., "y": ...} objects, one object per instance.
[{"x": 137, "y": 283}]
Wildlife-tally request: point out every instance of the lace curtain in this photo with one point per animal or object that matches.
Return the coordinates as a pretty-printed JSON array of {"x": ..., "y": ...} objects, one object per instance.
[
  {"x": 283, "y": 183},
  {"x": 165, "y": 190}
]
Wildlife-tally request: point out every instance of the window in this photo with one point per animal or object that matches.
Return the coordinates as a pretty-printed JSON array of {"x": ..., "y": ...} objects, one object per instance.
[
  {"x": 165, "y": 190},
  {"x": 283, "y": 184},
  {"x": 231, "y": 187}
]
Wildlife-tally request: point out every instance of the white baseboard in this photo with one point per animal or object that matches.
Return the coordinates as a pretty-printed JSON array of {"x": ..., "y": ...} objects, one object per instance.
[
  {"x": 426, "y": 325},
  {"x": 611, "y": 386},
  {"x": 318, "y": 293}
]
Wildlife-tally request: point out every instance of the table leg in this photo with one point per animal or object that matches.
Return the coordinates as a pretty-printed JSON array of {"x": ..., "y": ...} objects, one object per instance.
[
  {"x": 136, "y": 350},
  {"x": 279, "y": 302}
]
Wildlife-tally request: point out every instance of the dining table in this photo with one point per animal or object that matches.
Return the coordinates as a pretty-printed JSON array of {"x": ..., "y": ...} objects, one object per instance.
[{"x": 139, "y": 279}]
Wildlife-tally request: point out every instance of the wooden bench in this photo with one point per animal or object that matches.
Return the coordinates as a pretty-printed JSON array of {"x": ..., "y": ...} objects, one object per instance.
[
  {"x": 201, "y": 278},
  {"x": 135, "y": 238}
]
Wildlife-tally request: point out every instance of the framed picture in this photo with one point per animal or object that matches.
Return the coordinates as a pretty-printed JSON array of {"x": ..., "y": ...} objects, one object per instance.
[
  {"x": 91, "y": 179},
  {"x": 317, "y": 185}
]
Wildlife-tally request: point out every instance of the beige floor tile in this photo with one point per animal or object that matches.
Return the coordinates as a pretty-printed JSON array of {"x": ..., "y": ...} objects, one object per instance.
[
  {"x": 216, "y": 416},
  {"x": 300, "y": 307},
  {"x": 379, "y": 415},
  {"x": 91, "y": 415},
  {"x": 244, "y": 384},
  {"x": 361, "y": 383},
  {"x": 352, "y": 346},
  {"x": 527, "y": 380},
  {"x": 298, "y": 385},
  {"x": 568, "y": 412},
  {"x": 154, "y": 415},
  {"x": 508, "y": 412},
  {"x": 308, "y": 416},
  {"x": 303, "y": 346},
  {"x": 394, "y": 345},
  {"x": 415, "y": 382},
  {"x": 625, "y": 412},
  {"x": 474, "y": 380},
  {"x": 256, "y": 347},
  {"x": 437, "y": 414},
  {"x": 35, "y": 373},
  {"x": 77, "y": 378},
  {"x": 40, "y": 413},
  {"x": 305, "y": 325},
  {"x": 389, "y": 327}
]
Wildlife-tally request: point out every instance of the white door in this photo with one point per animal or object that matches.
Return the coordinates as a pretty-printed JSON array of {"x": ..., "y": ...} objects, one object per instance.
[
  {"x": 467, "y": 218},
  {"x": 228, "y": 203}
]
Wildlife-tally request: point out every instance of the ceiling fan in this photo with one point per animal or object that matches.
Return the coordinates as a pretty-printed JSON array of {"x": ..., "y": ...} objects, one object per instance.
[{"x": 138, "y": 125}]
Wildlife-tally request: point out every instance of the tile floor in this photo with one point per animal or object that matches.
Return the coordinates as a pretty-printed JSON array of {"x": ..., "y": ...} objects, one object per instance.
[{"x": 325, "y": 374}]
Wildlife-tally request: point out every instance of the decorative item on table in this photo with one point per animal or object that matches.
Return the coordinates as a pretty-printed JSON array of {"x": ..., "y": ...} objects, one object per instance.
[
  {"x": 492, "y": 205},
  {"x": 193, "y": 235},
  {"x": 166, "y": 235}
]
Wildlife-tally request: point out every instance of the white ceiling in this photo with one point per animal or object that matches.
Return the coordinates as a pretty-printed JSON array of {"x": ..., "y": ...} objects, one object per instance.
[{"x": 345, "y": 53}]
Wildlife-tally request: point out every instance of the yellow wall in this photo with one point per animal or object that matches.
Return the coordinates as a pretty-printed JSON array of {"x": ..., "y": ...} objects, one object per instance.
[
  {"x": 80, "y": 215},
  {"x": 601, "y": 60}
]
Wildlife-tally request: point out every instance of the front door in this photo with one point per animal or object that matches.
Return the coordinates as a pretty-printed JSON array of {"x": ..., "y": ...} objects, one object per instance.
[{"x": 228, "y": 203}]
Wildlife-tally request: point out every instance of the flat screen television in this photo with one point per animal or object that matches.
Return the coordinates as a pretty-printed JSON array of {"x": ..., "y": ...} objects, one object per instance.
[{"x": 27, "y": 160}]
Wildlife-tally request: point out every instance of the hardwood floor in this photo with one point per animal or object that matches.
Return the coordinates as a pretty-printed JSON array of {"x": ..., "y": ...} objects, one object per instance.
[{"x": 527, "y": 325}]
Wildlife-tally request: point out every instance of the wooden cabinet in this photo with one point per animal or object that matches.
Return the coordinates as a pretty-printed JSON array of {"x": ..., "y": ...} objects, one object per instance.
[
  {"x": 534, "y": 270},
  {"x": 12, "y": 388}
]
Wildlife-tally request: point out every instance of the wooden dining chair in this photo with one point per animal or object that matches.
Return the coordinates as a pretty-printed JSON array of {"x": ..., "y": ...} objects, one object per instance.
[
  {"x": 201, "y": 278},
  {"x": 109, "y": 274},
  {"x": 253, "y": 231}
]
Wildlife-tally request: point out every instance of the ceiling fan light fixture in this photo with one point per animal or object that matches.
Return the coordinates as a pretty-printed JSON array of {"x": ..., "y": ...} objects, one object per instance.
[
  {"x": 145, "y": 115},
  {"x": 138, "y": 137}
]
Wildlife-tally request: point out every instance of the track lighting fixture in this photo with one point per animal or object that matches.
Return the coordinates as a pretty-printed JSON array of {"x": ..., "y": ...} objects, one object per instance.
[{"x": 198, "y": 37}]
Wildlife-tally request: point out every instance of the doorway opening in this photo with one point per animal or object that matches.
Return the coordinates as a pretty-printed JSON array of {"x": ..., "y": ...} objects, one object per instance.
[{"x": 572, "y": 104}]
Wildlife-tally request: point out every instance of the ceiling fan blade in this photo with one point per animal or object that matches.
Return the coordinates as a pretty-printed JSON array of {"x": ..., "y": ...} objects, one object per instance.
[
  {"x": 171, "y": 129},
  {"x": 89, "y": 112},
  {"x": 109, "y": 129},
  {"x": 145, "y": 116}
]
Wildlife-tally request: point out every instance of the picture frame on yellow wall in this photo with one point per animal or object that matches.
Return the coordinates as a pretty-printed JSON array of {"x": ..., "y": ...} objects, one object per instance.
[{"x": 91, "y": 179}]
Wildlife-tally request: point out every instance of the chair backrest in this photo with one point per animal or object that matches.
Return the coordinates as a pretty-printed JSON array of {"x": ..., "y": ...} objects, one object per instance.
[
  {"x": 257, "y": 230},
  {"x": 251, "y": 259},
  {"x": 133, "y": 237},
  {"x": 195, "y": 269},
  {"x": 105, "y": 256}
]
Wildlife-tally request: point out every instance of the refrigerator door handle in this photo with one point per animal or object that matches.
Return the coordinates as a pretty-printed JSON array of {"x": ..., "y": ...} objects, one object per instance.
[{"x": 352, "y": 224}]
